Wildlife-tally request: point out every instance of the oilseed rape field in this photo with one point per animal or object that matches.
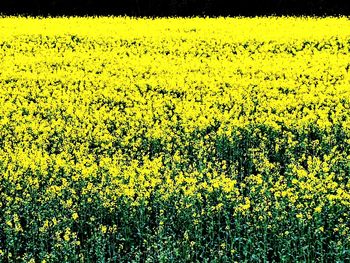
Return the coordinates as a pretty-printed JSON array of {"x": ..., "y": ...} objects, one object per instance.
[{"x": 174, "y": 139}]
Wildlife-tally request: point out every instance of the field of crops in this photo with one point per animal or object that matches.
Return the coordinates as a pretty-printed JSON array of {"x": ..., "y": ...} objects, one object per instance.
[{"x": 174, "y": 140}]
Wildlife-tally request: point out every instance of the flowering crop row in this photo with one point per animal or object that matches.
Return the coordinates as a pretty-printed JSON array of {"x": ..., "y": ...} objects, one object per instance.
[{"x": 174, "y": 140}]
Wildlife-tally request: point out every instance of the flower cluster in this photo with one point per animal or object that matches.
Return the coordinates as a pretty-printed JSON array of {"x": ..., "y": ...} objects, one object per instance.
[{"x": 182, "y": 140}]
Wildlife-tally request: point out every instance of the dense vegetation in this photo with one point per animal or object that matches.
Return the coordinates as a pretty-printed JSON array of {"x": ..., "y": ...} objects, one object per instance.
[{"x": 174, "y": 140}]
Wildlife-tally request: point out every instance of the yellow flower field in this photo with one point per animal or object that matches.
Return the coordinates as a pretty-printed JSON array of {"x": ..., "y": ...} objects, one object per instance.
[{"x": 174, "y": 140}]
